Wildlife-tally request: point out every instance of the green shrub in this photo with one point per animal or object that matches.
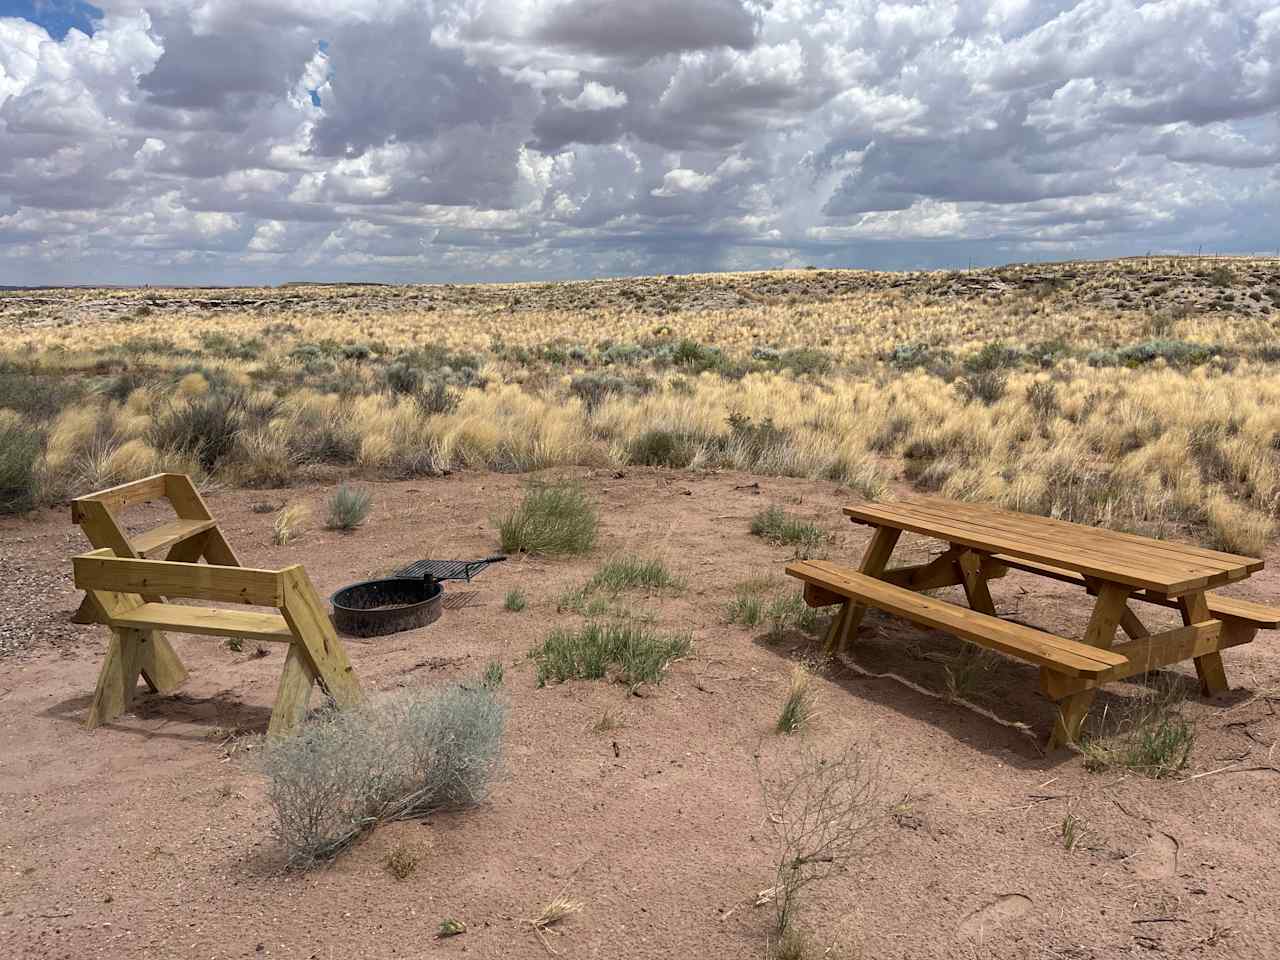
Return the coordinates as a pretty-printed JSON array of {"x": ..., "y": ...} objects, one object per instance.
[
  {"x": 397, "y": 758},
  {"x": 635, "y": 652},
  {"x": 221, "y": 344},
  {"x": 19, "y": 450},
  {"x": 695, "y": 358},
  {"x": 995, "y": 356},
  {"x": 987, "y": 386},
  {"x": 515, "y": 601},
  {"x": 789, "y": 611},
  {"x": 35, "y": 395},
  {"x": 555, "y": 519},
  {"x": 662, "y": 448},
  {"x": 206, "y": 427},
  {"x": 805, "y": 360},
  {"x": 348, "y": 508},
  {"x": 1174, "y": 352}
]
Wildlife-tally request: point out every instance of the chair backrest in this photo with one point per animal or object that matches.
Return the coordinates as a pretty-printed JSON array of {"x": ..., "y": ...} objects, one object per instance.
[{"x": 103, "y": 570}]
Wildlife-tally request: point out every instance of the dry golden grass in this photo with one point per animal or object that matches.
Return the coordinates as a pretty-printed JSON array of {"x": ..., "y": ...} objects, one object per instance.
[{"x": 1139, "y": 394}]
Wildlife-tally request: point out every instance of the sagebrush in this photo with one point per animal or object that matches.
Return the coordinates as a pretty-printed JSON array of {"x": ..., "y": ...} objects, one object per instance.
[{"x": 397, "y": 757}]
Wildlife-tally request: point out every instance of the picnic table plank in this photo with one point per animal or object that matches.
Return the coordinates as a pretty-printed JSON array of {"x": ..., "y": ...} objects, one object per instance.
[
  {"x": 1143, "y": 547},
  {"x": 1146, "y": 550},
  {"x": 1058, "y": 543},
  {"x": 1042, "y": 531}
]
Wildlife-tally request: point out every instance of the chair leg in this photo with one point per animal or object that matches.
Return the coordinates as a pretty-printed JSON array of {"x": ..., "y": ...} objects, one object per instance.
[
  {"x": 118, "y": 679},
  {"x": 162, "y": 668},
  {"x": 294, "y": 693}
]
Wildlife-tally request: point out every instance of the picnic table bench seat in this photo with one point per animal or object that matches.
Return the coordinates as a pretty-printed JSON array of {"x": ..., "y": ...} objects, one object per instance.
[{"x": 1069, "y": 657}]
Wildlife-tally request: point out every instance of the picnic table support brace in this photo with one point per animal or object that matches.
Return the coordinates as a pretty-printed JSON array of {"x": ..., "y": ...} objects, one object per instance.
[
  {"x": 1209, "y": 668},
  {"x": 873, "y": 564},
  {"x": 1108, "y": 613}
]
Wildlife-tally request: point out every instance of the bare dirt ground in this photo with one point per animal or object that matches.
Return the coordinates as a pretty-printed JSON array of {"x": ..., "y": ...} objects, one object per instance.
[{"x": 150, "y": 837}]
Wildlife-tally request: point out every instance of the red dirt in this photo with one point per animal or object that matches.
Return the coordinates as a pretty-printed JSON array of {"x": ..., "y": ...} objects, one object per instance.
[{"x": 151, "y": 837}]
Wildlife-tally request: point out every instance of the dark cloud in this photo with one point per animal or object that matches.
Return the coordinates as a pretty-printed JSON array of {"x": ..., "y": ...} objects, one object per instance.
[{"x": 647, "y": 29}]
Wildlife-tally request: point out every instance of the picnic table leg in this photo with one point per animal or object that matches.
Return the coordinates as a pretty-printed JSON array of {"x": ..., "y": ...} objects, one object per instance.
[
  {"x": 874, "y": 561},
  {"x": 1108, "y": 612},
  {"x": 1209, "y": 668},
  {"x": 975, "y": 584}
]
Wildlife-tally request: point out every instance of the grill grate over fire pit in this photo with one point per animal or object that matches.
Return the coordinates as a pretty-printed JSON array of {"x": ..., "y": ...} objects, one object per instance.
[{"x": 412, "y": 598}]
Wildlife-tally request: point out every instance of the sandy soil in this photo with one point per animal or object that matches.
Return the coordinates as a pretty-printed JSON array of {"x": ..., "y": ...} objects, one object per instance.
[{"x": 150, "y": 836}]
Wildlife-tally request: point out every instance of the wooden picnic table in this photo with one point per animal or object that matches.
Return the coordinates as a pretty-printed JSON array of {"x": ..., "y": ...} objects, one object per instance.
[{"x": 983, "y": 542}]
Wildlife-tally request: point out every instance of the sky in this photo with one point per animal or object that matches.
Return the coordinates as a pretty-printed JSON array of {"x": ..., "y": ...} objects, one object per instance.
[{"x": 260, "y": 141}]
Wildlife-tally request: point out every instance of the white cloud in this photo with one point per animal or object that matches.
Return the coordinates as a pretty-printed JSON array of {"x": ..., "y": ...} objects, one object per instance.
[
  {"x": 596, "y": 96},
  {"x": 233, "y": 140}
]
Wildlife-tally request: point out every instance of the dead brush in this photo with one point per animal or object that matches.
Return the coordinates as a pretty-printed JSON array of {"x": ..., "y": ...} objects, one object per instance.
[
  {"x": 556, "y": 910},
  {"x": 823, "y": 812}
]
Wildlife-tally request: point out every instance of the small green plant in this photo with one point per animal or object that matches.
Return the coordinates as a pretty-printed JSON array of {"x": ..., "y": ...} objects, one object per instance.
[
  {"x": 491, "y": 679},
  {"x": 746, "y": 608},
  {"x": 349, "y": 507},
  {"x": 234, "y": 644},
  {"x": 1070, "y": 831},
  {"x": 628, "y": 573},
  {"x": 789, "y": 611},
  {"x": 1151, "y": 737},
  {"x": 798, "y": 707},
  {"x": 450, "y": 928},
  {"x": 401, "y": 862},
  {"x": 967, "y": 673},
  {"x": 556, "y": 519},
  {"x": 633, "y": 651},
  {"x": 779, "y": 527},
  {"x": 515, "y": 601}
]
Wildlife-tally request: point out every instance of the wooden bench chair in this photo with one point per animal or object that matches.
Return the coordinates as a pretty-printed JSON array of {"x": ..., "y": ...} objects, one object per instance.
[
  {"x": 121, "y": 589},
  {"x": 1068, "y": 667}
]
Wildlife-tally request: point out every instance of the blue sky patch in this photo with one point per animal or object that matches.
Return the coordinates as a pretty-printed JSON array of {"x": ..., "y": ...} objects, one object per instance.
[{"x": 56, "y": 16}]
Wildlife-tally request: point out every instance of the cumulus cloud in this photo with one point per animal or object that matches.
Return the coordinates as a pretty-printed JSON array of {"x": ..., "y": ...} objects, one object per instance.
[{"x": 263, "y": 140}]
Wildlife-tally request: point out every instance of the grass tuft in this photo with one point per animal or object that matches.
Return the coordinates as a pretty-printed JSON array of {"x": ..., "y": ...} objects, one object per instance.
[
  {"x": 779, "y": 527},
  {"x": 348, "y": 508},
  {"x": 634, "y": 652},
  {"x": 1150, "y": 737},
  {"x": 630, "y": 573},
  {"x": 289, "y": 523},
  {"x": 798, "y": 707},
  {"x": 515, "y": 600},
  {"x": 557, "y": 519}
]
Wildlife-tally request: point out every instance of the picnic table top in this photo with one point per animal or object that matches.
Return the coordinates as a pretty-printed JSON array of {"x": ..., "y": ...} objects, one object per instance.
[{"x": 1166, "y": 568}]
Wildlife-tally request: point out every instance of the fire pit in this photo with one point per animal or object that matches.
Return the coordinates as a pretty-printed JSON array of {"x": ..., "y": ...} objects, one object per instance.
[{"x": 378, "y": 607}]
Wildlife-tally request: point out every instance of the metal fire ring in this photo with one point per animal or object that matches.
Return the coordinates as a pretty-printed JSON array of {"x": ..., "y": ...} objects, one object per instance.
[{"x": 375, "y": 608}]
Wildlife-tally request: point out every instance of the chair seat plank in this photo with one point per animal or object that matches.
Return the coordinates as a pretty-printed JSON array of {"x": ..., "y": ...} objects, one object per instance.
[
  {"x": 167, "y": 534},
  {"x": 207, "y": 621}
]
